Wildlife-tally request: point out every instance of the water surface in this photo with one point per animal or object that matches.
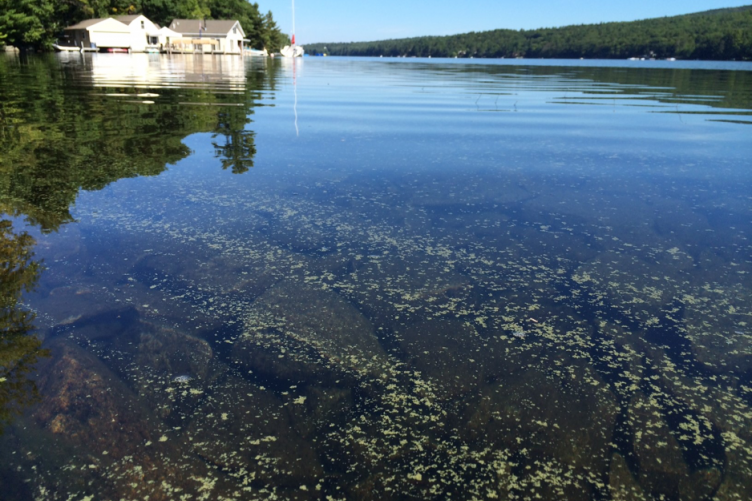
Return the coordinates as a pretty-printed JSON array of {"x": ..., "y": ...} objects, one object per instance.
[{"x": 375, "y": 279}]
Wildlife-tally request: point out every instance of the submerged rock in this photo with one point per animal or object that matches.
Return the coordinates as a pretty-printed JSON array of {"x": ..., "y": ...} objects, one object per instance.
[
  {"x": 90, "y": 427},
  {"x": 100, "y": 325},
  {"x": 716, "y": 326},
  {"x": 621, "y": 484},
  {"x": 169, "y": 370},
  {"x": 450, "y": 354},
  {"x": 88, "y": 406},
  {"x": 397, "y": 288},
  {"x": 170, "y": 351},
  {"x": 299, "y": 333},
  {"x": 559, "y": 429},
  {"x": 663, "y": 471},
  {"x": 244, "y": 428},
  {"x": 147, "y": 357},
  {"x": 296, "y": 232}
]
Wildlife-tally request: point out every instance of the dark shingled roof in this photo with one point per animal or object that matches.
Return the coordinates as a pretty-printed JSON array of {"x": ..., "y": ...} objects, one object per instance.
[{"x": 213, "y": 26}]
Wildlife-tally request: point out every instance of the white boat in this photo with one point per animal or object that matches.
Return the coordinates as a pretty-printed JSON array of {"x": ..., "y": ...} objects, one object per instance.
[
  {"x": 72, "y": 48},
  {"x": 65, "y": 48},
  {"x": 256, "y": 53},
  {"x": 292, "y": 50}
]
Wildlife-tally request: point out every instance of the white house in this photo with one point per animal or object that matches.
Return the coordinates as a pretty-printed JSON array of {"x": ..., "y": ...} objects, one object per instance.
[
  {"x": 122, "y": 32},
  {"x": 143, "y": 32},
  {"x": 166, "y": 37},
  {"x": 223, "y": 36},
  {"x": 138, "y": 34},
  {"x": 99, "y": 33}
]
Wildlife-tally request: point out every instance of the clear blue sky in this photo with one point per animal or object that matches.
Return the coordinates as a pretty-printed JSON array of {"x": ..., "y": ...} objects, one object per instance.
[{"x": 353, "y": 20}]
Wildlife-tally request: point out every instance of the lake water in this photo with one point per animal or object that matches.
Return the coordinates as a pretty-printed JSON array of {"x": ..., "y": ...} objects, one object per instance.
[{"x": 335, "y": 278}]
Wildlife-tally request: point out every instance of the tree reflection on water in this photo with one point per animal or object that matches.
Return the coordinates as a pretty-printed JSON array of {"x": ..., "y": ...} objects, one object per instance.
[
  {"x": 19, "y": 351},
  {"x": 58, "y": 138}
]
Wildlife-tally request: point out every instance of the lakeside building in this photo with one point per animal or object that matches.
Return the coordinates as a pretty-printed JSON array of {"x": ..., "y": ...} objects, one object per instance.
[
  {"x": 102, "y": 33},
  {"x": 137, "y": 33},
  {"x": 216, "y": 36},
  {"x": 144, "y": 33}
]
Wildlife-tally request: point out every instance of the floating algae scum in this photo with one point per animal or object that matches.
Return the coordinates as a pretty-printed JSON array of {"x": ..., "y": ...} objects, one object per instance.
[{"x": 501, "y": 320}]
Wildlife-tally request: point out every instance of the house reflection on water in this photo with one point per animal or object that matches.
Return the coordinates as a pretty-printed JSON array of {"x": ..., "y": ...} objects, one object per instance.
[{"x": 176, "y": 70}]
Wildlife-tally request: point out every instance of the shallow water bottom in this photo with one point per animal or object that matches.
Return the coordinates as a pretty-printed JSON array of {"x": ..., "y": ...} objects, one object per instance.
[
  {"x": 441, "y": 283},
  {"x": 393, "y": 344}
]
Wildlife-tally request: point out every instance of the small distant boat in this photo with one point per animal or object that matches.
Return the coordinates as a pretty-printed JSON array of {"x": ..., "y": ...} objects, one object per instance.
[
  {"x": 292, "y": 50},
  {"x": 65, "y": 48},
  {"x": 256, "y": 53}
]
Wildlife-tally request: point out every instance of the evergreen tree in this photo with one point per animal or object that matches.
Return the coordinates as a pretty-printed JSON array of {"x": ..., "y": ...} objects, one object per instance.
[{"x": 717, "y": 34}]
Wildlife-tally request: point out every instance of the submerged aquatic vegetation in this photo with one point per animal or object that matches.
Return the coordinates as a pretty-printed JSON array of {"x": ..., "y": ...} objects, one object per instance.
[
  {"x": 390, "y": 364},
  {"x": 536, "y": 325}
]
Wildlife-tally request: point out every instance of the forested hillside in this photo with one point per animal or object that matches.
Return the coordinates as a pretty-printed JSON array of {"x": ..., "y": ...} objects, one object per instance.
[
  {"x": 37, "y": 23},
  {"x": 721, "y": 34}
]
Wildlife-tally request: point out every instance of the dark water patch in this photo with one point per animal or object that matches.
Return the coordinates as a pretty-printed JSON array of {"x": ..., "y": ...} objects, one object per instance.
[
  {"x": 744, "y": 390},
  {"x": 221, "y": 339}
]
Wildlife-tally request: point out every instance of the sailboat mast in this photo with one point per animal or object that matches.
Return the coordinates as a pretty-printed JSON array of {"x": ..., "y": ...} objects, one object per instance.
[{"x": 293, "y": 23}]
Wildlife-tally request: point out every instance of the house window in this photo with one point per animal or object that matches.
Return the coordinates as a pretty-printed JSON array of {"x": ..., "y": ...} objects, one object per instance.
[
  {"x": 234, "y": 30},
  {"x": 142, "y": 25}
]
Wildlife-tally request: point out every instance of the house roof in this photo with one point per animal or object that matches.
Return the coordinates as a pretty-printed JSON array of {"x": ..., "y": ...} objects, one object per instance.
[
  {"x": 165, "y": 31},
  {"x": 127, "y": 19},
  {"x": 86, "y": 23},
  {"x": 124, "y": 20},
  {"x": 212, "y": 26}
]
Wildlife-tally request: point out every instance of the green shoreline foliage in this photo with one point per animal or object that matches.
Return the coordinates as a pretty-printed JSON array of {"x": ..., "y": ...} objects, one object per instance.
[
  {"x": 721, "y": 34},
  {"x": 36, "y": 24}
]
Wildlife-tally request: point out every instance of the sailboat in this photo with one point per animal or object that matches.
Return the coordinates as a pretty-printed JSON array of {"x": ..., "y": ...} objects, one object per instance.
[{"x": 292, "y": 50}]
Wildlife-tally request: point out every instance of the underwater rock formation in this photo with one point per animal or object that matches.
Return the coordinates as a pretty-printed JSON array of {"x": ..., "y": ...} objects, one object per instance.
[
  {"x": 299, "y": 333},
  {"x": 248, "y": 430}
]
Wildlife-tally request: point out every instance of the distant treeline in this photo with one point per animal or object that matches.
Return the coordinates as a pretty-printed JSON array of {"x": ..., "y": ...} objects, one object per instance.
[
  {"x": 722, "y": 34},
  {"x": 37, "y": 23}
]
